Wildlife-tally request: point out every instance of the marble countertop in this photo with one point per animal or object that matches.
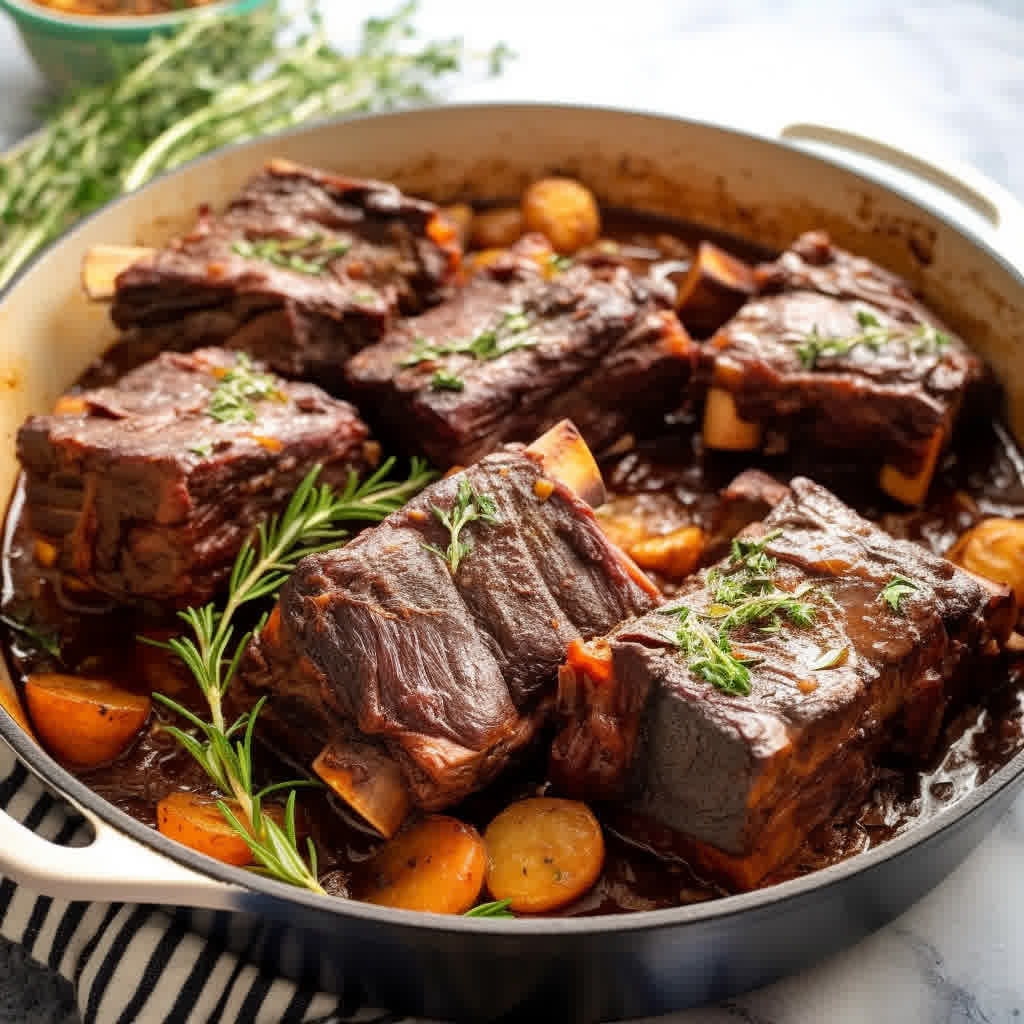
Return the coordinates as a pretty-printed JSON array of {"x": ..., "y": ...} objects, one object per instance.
[{"x": 945, "y": 77}]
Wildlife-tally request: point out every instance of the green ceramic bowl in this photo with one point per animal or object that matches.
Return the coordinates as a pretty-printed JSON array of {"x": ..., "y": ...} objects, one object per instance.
[{"x": 73, "y": 50}]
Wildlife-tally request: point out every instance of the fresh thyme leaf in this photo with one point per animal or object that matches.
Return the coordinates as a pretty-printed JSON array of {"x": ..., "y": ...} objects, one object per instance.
[
  {"x": 499, "y": 908},
  {"x": 311, "y": 523},
  {"x": 305, "y": 255},
  {"x": 710, "y": 657},
  {"x": 831, "y": 659},
  {"x": 231, "y": 400},
  {"x": 469, "y": 507},
  {"x": 220, "y": 79},
  {"x": 895, "y": 591},
  {"x": 202, "y": 450},
  {"x": 444, "y": 381},
  {"x": 920, "y": 339},
  {"x": 559, "y": 263},
  {"x": 49, "y": 641},
  {"x": 507, "y": 335},
  {"x": 767, "y": 607}
]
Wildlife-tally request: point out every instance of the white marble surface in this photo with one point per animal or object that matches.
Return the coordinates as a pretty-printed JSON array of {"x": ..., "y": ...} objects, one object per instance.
[{"x": 945, "y": 76}]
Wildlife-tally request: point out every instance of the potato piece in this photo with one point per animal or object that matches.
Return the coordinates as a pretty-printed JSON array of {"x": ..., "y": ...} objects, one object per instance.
[
  {"x": 369, "y": 781},
  {"x": 912, "y": 490},
  {"x": 674, "y": 554},
  {"x": 994, "y": 549},
  {"x": 563, "y": 210},
  {"x": 543, "y": 853},
  {"x": 497, "y": 228},
  {"x": 715, "y": 286},
  {"x": 103, "y": 263},
  {"x": 85, "y": 722},
  {"x": 437, "y": 865},
  {"x": 723, "y": 427}
]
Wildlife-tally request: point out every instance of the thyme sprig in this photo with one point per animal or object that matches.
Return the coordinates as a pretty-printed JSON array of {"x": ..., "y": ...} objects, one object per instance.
[
  {"x": 469, "y": 507},
  {"x": 310, "y": 523},
  {"x": 507, "y": 335},
  {"x": 232, "y": 399},
  {"x": 220, "y": 79},
  {"x": 895, "y": 591},
  {"x": 743, "y": 593},
  {"x": 303, "y": 255},
  {"x": 922, "y": 339}
]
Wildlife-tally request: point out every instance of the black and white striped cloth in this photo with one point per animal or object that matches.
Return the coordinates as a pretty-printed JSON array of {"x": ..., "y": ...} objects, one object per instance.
[{"x": 136, "y": 963}]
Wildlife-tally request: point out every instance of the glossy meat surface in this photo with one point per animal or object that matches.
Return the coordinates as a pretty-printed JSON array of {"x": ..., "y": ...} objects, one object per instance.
[
  {"x": 886, "y": 397},
  {"x": 145, "y": 494},
  {"x": 744, "y": 779},
  {"x": 590, "y": 343},
  {"x": 301, "y": 270},
  {"x": 450, "y": 671}
]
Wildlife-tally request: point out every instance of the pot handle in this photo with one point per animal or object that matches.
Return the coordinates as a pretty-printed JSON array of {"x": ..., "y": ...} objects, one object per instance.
[
  {"x": 112, "y": 868},
  {"x": 995, "y": 205}
]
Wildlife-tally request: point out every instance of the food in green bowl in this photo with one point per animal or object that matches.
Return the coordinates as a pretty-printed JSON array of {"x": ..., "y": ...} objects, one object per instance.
[{"x": 74, "y": 44}]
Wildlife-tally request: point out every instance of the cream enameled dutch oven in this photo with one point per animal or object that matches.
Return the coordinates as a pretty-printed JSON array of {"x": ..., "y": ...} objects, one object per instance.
[{"x": 970, "y": 267}]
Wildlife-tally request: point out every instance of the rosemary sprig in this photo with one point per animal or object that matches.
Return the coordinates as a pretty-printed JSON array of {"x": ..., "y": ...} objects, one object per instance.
[
  {"x": 49, "y": 641},
  {"x": 468, "y": 508},
  {"x": 499, "y": 908},
  {"x": 921, "y": 339},
  {"x": 303, "y": 255},
  {"x": 309, "y": 524},
  {"x": 219, "y": 80},
  {"x": 507, "y": 335},
  {"x": 231, "y": 400},
  {"x": 895, "y": 591}
]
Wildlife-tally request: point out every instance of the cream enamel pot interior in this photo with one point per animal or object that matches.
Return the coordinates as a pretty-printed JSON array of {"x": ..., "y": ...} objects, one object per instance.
[{"x": 548, "y": 969}]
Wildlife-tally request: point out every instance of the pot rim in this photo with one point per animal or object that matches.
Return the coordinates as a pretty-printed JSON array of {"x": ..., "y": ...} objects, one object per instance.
[{"x": 765, "y": 900}]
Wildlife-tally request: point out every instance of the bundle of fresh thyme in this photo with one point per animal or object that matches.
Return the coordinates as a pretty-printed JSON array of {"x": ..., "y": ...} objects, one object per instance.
[
  {"x": 311, "y": 523},
  {"x": 219, "y": 80}
]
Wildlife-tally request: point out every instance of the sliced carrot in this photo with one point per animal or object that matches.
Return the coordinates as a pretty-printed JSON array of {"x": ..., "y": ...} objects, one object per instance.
[
  {"x": 197, "y": 822},
  {"x": 436, "y": 865},
  {"x": 543, "y": 853},
  {"x": 594, "y": 659},
  {"x": 85, "y": 722}
]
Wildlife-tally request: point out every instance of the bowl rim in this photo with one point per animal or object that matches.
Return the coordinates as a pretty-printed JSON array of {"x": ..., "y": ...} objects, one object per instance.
[
  {"x": 39, "y": 15},
  {"x": 253, "y": 891}
]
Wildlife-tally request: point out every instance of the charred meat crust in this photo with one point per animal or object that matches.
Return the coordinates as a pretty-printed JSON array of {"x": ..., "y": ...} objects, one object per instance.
[
  {"x": 391, "y": 254},
  {"x": 604, "y": 350},
  {"x": 146, "y": 495},
  {"x": 740, "y": 778},
  {"x": 450, "y": 672}
]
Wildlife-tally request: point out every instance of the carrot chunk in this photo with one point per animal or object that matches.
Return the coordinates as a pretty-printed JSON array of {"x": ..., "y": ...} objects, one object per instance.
[
  {"x": 594, "y": 659},
  {"x": 437, "y": 865},
  {"x": 85, "y": 722},
  {"x": 543, "y": 853}
]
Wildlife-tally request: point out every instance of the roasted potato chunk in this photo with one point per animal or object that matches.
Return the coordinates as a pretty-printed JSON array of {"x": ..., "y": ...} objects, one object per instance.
[
  {"x": 564, "y": 211},
  {"x": 716, "y": 285},
  {"x": 496, "y": 229},
  {"x": 994, "y": 549}
]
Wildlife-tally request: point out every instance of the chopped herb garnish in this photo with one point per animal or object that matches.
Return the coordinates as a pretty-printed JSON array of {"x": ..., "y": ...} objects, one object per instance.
[
  {"x": 202, "y": 450},
  {"x": 895, "y": 591},
  {"x": 921, "y": 339},
  {"x": 469, "y": 507},
  {"x": 443, "y": 381},
  {"x": 499, "y": 908},
  {"x": 508, "y": 334},
  {"x": 305, "y": 255},
  {"x": 559, "y": 263},
  {"x": 831, "y": 659},
  {"x": 49, "y": 641},
  {"x": 709, "y": 656},
  {"x": 232, "y": 398}
]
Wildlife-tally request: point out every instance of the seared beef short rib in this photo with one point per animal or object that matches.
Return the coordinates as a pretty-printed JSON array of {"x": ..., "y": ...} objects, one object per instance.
[
  {"x": 524, "y": 344},
  {"x": 301, "y": 270},
  {"x": 836, "y": 353},
  {"x": 424, "y": 679},
  {"x": 740, "y": 781},
  {"x": 145, "y": 493}
]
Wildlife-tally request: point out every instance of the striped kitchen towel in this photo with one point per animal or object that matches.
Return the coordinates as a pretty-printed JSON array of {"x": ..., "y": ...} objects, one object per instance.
[{"x": 137, "y": 963}]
